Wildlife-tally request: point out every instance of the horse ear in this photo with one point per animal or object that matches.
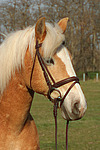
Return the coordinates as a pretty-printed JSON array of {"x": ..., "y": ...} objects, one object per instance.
[
  {"x": 40, "y": 29},
  {"x": 63, "y": 24}
]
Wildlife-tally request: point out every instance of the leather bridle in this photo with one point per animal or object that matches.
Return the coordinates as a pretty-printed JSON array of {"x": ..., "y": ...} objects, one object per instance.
[{"x": 53, "y": 87}]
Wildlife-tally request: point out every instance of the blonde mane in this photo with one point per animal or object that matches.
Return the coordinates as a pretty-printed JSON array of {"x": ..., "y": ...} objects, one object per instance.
[{"x": 13, "y": 49}]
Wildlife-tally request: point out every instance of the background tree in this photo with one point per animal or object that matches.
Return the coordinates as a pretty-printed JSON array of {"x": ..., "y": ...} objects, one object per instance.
[{"x": 83, "y": 31}]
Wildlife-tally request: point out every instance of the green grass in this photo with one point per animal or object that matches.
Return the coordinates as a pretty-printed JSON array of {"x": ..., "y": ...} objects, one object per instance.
[{"x": 84, "y": 134}]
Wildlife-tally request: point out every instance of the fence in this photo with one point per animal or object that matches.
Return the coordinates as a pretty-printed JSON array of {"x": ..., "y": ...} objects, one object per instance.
[{"x": 89, "y": 76}]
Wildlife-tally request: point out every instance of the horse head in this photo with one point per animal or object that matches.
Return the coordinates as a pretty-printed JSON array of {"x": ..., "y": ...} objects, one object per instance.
[{"x": 57, "y": 59}]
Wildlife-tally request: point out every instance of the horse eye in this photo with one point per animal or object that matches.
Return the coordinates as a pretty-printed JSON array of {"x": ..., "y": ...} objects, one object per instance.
[
  {"x": 50, "y": 61},
  {"x": 63, "y": 43}
]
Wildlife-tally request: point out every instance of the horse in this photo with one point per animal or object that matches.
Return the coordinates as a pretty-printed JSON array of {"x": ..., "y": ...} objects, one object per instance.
[{"x": 22, "y": 54}]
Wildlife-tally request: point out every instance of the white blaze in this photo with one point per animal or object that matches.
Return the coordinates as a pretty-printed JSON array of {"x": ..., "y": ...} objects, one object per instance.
[
  {"x": 64, "y": 56},
  {"x": 73, "y": 94}
]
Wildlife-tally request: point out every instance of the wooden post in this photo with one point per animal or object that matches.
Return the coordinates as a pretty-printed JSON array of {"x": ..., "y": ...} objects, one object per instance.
[
  {"x": 97, "y": 76},
  {"x": 83, "y": 77}
]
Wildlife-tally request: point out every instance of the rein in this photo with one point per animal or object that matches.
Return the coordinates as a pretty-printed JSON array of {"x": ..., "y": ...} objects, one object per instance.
[{"x": 53, "y": 86}]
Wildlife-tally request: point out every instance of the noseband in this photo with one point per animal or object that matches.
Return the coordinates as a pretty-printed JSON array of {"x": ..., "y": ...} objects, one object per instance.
[{"x": 53, "y": 87}]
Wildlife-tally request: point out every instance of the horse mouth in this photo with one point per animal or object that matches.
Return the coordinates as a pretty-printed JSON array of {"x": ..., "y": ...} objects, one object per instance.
[{"x": 76, "y": 114}]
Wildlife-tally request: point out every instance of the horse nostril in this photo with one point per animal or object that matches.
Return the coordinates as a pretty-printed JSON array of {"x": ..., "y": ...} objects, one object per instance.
[{"x": 75, "y": 108}]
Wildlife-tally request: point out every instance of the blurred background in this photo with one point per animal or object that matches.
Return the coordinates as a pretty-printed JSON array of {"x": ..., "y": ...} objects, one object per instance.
[
  {"x": 83, "y": 41},
  {"x": 83, "y": 31}
]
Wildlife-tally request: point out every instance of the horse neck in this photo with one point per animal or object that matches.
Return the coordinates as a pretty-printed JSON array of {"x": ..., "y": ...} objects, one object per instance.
[{"x": 15, "y": 102}]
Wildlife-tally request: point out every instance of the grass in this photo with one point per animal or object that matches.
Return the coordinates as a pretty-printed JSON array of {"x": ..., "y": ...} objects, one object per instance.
[{"x": 84, "y": 134}]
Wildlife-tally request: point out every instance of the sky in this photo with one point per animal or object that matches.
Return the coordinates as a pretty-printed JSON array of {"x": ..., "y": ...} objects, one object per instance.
[{"x": 1, "y": 1}]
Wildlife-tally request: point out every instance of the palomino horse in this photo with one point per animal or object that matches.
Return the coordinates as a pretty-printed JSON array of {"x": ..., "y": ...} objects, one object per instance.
[{"x": 21, "y": 75}]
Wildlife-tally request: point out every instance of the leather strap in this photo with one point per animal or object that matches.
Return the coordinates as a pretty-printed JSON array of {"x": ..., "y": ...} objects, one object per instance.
[{"x": 52, "y": 85}]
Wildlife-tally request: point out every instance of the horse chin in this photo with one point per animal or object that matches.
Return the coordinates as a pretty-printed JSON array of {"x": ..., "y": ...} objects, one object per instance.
[{"x": 69, "y": 116}]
